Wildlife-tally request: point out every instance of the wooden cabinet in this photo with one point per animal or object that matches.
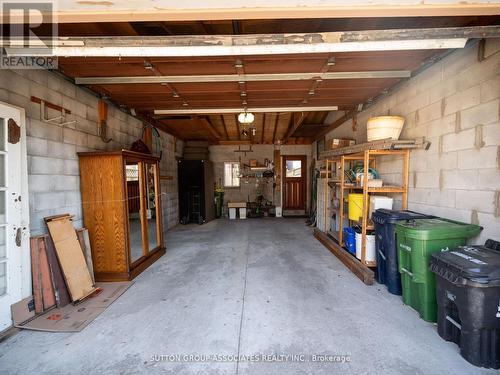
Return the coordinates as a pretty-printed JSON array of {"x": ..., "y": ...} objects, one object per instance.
[{"x": 122, "y": 212}]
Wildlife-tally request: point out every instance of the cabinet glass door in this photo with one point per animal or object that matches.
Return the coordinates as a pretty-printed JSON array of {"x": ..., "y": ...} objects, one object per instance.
[
  {"x": 152, "y": 206},
  {"x": 133, "y": 176}
]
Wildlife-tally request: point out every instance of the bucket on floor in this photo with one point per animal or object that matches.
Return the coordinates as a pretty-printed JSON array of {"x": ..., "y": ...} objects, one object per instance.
[
  {"x": 355, "y": 206},
  {"x": 383, "y": 127},
  {"x": 370, "y": 255},
  {"x": 279, "y": 212},
  {"x": 350, "y": 240}
]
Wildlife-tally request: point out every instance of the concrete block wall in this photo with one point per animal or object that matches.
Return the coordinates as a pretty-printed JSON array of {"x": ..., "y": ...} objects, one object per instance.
[
  {"x": 172, "y": 150},
  {"x": 248, "y": 188},
  {"x": 221, "y": 154},
  {"x": 53, "y": 172},
  {"x": 455, "y": 105}
]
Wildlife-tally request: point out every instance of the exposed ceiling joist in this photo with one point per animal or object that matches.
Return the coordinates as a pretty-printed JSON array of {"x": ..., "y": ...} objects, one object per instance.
[
  {"x": 257, "y": 44},
  {"x": 215, "y": 111},
  {"x": 71, "y": 11},
  {"x": 348, "y": 115},
  {"x": 243, "y": 77},
  {"x": 297, "y": 120}
]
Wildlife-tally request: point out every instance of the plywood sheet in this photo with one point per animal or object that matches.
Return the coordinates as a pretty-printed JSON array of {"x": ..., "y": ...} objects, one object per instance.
[
  {"x": 83, "y": 239},
  {"x": 49, "y": 299},
  {"x": 36, "y": 278},
  {"x": 71, "y": 258},
  {"x": 60, "y": 290}
]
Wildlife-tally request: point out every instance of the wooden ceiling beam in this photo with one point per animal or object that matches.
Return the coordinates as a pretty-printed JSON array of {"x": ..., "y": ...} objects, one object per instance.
[
  {"x": 205, "y": 123},
  {"x": 275, "y": 127},
  {"x": 261, "y": 44},
  {"x": 195, "y": 111},
  {"x": 204, "y": 78},
  {"x": 125, "y": 11},
  {"x": 348, "y": 115},
  {"x": 157, "y": 73},
  {"x": 297, "y": 120},
  {"x": 225, "y": 127},
  {"x": 263, "y": 128}
]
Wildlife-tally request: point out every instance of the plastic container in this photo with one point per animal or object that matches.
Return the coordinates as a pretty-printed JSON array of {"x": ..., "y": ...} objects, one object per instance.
[
  {"x": 417, "y": 241},
  {"x": 385, "y": 243},
  {"x": 374, "y": 183},
  {"x": 384, "y": 127},
  {"x": 243, "y": 212},
  {"x": 468, "y": 298},
  {"x": 370, "y": 255},
  {"x": 232, "y": 213},
  {"x": 350, "y": 240},
  {"x": 278, "y": 211},
  {"x": 355, "y": 206},
  {"x": 379, "y": 202}
]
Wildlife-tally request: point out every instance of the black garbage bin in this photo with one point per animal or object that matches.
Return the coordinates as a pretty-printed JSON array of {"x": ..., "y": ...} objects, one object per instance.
[
  {"x": 468, "y": 298},
  {"x": 386, "y": 245}
]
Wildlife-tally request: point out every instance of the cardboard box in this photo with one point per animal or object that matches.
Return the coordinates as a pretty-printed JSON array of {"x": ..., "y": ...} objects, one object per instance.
[
  {"x": 338, "y": 143},
  {"x": 253, "y": 162}
]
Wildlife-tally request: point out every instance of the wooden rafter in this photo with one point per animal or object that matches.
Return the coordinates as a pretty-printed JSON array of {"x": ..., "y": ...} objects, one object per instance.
[
  {"x": 347, "y": 115},
  {"x": 275, "y": 127},
  {"x": 208, "y": 78},
  {"x": 237, "y": 126},
  {"x": 263, "y": 128},
  {"x": 207, "y": 125},
  {"x": 225, "y": 127},
  {"x": 297, "y": 120}
]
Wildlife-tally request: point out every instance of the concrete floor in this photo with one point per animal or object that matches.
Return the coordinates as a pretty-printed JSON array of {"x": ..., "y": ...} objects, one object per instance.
[{"x": 259, "y": 286}]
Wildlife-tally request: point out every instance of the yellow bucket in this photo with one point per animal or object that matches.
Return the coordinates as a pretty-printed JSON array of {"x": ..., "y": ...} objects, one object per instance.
[{"x": 355, "y": 206}]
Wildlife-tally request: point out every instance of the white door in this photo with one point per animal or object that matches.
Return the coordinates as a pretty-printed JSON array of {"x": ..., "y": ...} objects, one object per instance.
[{"x": 15, "y": 275}]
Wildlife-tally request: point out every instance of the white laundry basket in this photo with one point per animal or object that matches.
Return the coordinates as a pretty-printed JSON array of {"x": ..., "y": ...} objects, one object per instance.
[{"x": 383, "y": 127}]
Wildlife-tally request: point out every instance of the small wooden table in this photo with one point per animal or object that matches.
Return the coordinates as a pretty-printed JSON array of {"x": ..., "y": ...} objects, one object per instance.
[{"x": 241, "y": 206}]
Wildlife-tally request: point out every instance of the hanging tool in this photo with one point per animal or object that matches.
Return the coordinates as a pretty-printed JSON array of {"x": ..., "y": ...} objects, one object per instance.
[{"x": 102, "y": 125}]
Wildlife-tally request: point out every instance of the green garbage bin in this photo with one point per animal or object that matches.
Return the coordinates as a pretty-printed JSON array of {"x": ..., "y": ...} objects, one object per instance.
[{"x": 417, "y": 240}]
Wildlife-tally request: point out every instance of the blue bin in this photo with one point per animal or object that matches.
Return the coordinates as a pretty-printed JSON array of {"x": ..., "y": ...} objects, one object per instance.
[
  {"x": 350, "y": 240},
  {"x": 385, "y": 245}
]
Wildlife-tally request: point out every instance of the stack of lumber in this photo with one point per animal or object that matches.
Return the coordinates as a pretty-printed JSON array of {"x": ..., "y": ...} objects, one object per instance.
[
  {"x": 196, "y": 150},
  {"x": 61, "y": 265},
  {"x": 65, "y": 297}
]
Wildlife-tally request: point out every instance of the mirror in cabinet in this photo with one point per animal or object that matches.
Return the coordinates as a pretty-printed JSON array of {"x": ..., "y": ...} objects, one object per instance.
[
  {"x": 133, "y": 174},
  {"x": 152, "y": 206}
]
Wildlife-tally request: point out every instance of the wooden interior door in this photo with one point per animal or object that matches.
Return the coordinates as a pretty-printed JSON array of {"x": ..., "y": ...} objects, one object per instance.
[{"x": 294, "y": 183}]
